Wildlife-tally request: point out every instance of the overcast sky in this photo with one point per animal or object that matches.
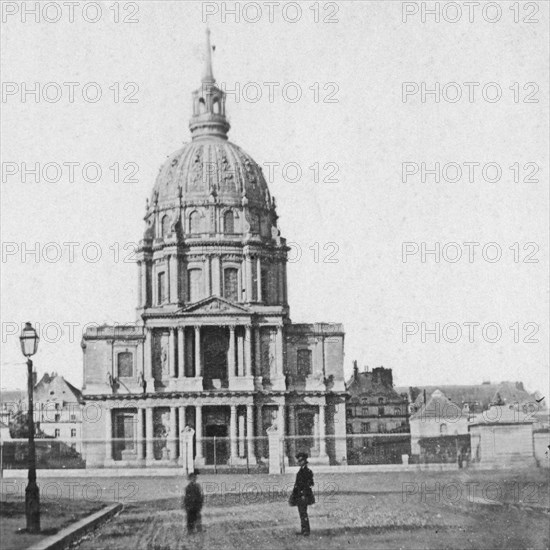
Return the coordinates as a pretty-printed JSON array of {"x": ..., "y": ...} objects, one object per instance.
[{"x": 352, "y": 120}]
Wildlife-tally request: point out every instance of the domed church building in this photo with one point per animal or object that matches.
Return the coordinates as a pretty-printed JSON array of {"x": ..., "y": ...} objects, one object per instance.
[{"x": 214, "y": 348}]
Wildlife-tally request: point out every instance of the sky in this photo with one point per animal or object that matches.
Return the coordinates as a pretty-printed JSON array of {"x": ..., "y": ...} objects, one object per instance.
[{"x": 114, "y": 100}]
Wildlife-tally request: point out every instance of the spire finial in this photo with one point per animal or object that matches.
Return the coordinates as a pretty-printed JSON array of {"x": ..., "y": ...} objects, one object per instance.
[{"x": 208, "y": 75}]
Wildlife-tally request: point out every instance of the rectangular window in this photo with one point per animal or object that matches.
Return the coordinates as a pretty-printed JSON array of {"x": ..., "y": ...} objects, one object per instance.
[
  {"x": 303, "y": 363},
  {"x": 380, "y": 411},
  {"x": 57, "y": 432},
  {"x": 73, "y": 417},
  {"x": 57, "y": 418},
  {"x": 365, "y": 427},
  {"x": 125, "y": 364},
  {"x": 73, "y": 432},
  {"x": 194, "y": 279},
  {"x": 161, "y": 288},
  {"x": 365, "y": 411}
]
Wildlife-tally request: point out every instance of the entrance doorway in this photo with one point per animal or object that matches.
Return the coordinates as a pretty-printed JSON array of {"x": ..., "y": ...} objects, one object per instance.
[
  {"x": 305, "y": 442},
  {"x": 215, "y": 341},
  {"x": 123, "y": 433},
  {"x": 217, "y": 450}
]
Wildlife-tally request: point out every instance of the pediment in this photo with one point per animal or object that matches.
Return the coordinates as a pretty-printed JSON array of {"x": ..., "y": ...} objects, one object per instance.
[{"x": 214, "y": 305}]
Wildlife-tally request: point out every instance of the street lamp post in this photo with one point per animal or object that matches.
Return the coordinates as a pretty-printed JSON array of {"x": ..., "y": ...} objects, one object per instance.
[{"x": 29, "y": 345}]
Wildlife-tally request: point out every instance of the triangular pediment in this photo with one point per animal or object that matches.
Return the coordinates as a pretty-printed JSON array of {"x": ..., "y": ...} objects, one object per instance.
[{"x": 214, "y": 305}]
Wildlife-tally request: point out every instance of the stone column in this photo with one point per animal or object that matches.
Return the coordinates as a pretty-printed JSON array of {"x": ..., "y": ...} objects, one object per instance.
[
  {"x": 139, "y": 435},
  {"x": 279, "y": 348},
  {"x": 281, "y": 420},
  {"x": 140, "y": 283},
  {"x": 173, "y": 441},
  {"x": 249, "y": 433},
  {"x": 259, "y": 431},
  {"x": 216, "y": 276},
  {"x": 292, "y": 429},
  {"x": 285, "y": 290},
  {"x": 322, "y": 431},
  {"x": 108, "y": 434},
  {"x": 198, "y": 432},
  {"x": 233, "y": 432},
  {"x": 248, "y": 351},
  {"x": 148, "y": 355},
  {"x": 318, "y": 360},
  {"x": 198, "y": 362},
  {"x": 259, "y": 279},
  {"x": 240, "y": 356},
  {"x": 316, "y": 430},
  {"x": 149, "y": 433},
  {"x": 181, "y": 352},
  {"x": 172, "y": 352},
  {"x": 231, "y": 353},
  {"x": 182, "y": 410},
  {"x": 280, "y": 284},
  {"x": 207, "y": 277},
  {"x": 173, "y": 279},
  {"x": 242, "y": 436},
  {"x": 248, "y": 269},
  {"x": 258, "y": 353}
]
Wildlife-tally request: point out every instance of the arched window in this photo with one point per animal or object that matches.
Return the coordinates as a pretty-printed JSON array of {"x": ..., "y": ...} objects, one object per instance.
[
  {"x": 228, "y": 222},
  {"x": 165, "y": 225},
  {"x": 194, "y": 222},
  {"x": 202, "y": 106},
  {"x": 216, "y": 106},
  {"x": 194, "y": 280},
  {"x": 125, "y": 364},
  {"x": 230, "y": 284}
]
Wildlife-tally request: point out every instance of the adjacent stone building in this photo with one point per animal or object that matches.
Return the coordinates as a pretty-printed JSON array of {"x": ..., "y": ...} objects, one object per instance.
[
  {"x": 214, "y": 347},
  {"x": 58, "y": 410},
  {"x": 374, "y": 407}
]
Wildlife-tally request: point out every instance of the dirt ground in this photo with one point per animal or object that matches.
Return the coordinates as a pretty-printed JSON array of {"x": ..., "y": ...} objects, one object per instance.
[{"x": 446, "y": 510}]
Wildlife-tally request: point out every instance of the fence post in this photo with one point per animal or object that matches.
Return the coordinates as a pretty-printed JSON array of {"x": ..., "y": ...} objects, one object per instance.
[
  {"x": 187, "y": 443},
  {"x": 275, "y": 451}
]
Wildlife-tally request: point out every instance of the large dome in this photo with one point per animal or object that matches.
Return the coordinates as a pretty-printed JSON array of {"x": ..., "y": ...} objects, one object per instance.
[{"x": 210, "y": 167}]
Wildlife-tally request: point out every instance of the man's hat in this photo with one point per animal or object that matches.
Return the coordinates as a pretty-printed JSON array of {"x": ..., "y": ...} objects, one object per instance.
[{"x": 302, "y": 455}]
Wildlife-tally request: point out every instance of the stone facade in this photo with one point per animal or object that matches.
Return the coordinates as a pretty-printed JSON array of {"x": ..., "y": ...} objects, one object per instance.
[{"x": 214, "y": 347}]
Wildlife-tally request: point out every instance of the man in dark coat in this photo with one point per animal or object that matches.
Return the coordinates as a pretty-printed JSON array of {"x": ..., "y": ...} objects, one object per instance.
[
  {"x": 302, "y": 494},
  {"x": 192, "y": 502}
]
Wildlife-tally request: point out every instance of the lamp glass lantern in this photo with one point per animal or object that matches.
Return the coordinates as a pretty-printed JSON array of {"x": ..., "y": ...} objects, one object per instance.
[{"x": 29, "y": 340}]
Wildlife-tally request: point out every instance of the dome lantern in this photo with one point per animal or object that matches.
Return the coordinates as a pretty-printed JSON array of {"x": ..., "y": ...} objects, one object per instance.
[{"x": 208, "y": 118}]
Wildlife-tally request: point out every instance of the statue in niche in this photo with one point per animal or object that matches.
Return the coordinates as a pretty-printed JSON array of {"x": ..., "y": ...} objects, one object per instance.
[{"x": 164, "y": 358}]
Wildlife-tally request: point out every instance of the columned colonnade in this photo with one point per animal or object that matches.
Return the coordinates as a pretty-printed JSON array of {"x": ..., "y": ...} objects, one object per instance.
[
  {"x": 243, "y": 355},
  {"x": 241, "y": 432}
]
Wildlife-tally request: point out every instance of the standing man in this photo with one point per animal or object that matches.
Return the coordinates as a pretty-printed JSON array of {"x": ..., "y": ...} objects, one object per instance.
[
  {"x": 192, "y": 502},
  {"x": 302, "y": 494}
]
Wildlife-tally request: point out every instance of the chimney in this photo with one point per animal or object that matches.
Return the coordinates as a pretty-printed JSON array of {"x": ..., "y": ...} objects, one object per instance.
[{"x": 355, "y": 370}]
